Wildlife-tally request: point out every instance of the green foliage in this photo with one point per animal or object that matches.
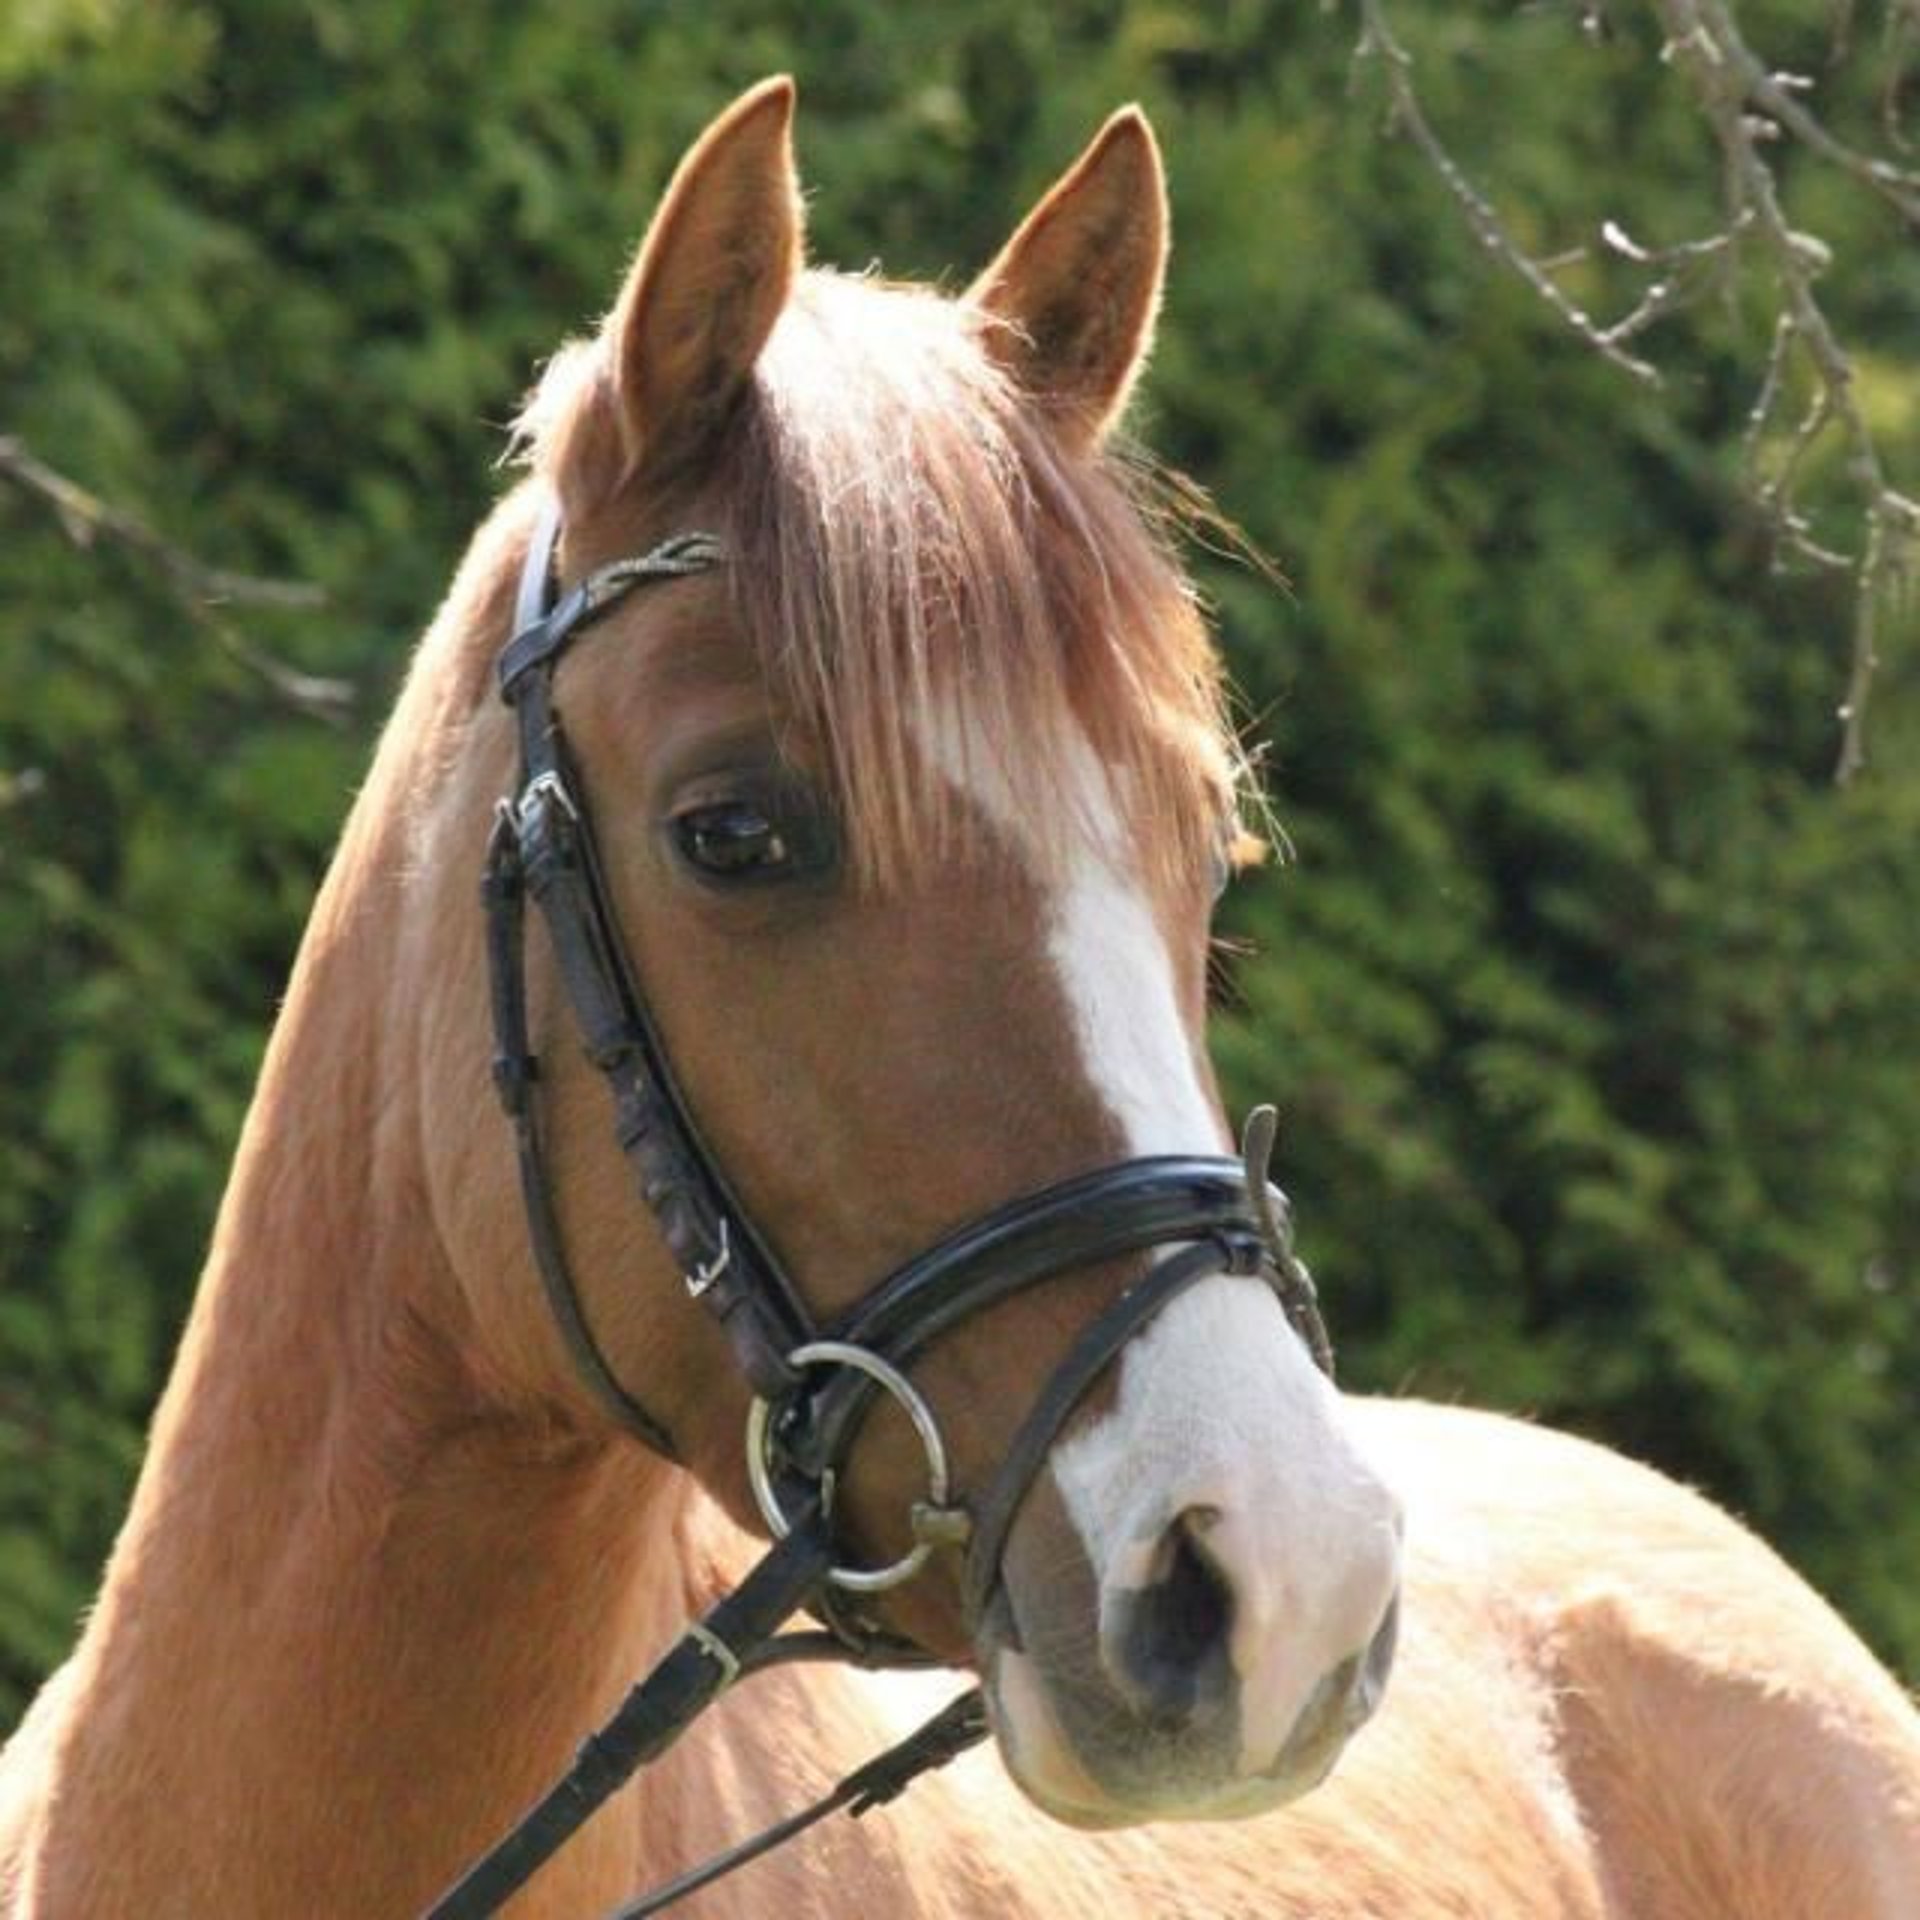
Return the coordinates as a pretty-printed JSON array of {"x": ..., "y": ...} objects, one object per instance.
[
  {"x": 1590, "y": 998},
  {"x": 1586, "y": 996}
]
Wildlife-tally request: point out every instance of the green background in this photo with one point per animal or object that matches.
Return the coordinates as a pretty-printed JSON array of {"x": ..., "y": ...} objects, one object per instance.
[{"x": 1588, "y": 998}]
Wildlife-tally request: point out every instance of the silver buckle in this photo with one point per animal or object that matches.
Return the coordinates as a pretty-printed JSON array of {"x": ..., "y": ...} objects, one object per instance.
[
  {"x": 543, "y": 786},
  {"x": 716, "y": 1650},
  {"x": 708, "y": 1271}
]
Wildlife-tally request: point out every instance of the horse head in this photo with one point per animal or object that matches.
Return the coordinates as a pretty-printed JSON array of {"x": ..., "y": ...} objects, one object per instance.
[{"x": 912, "y": 798}]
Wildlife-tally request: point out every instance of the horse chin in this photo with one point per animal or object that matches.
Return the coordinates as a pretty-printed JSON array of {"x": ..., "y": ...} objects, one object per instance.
[{"x": 1128, "y": 1787}]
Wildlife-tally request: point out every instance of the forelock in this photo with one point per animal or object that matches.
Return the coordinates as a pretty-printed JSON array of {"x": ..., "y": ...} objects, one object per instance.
[{"x": 921, "y": 559}]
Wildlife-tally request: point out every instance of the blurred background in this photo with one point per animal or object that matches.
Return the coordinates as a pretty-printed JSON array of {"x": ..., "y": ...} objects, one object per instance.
[{"x": 1587, "y": 992}]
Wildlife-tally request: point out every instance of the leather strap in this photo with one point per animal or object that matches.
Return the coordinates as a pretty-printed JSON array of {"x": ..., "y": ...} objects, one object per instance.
[
  {"x": 1097, "y": 1216},
  {"x": 725, "y": 1267},
  {"x": 1094, "y": 1351},
  {"x": 703, "y": 1662},
  {"x": 539, "y": 642},
  {"x": 543, "y": 846},
  {"x": 515, "y": 1074},
  {"x": 960, "y": 1724},
  {"x": 534, "y": 593}
]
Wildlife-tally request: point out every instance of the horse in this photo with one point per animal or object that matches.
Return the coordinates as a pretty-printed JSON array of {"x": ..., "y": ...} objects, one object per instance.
[{"x": 912, "y": 790}]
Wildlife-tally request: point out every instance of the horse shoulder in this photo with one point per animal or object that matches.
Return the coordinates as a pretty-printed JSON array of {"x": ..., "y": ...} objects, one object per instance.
[
  {"x": 28, "y": 1763},
  {"x": 1610, "y": 1699},
  {"x": 1730, "y": 1744}
]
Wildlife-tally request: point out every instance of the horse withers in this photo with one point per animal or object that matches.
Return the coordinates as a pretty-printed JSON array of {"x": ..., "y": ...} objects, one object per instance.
[{"x": 910, "y": 792}]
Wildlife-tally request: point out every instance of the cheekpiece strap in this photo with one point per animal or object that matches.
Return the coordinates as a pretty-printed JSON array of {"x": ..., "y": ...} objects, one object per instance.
[
  {"x": 553, "y": 856},
  {"x": 515, "y": 1075}
]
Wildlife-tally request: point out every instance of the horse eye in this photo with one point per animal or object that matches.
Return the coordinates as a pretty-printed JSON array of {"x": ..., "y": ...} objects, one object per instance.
[
  {"x": 733, "y": 840},
  {"x": 754, "y": 837}
]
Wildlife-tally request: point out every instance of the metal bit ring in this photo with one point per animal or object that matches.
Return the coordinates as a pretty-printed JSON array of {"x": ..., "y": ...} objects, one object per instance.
[{"x": 840, "y": 1353}]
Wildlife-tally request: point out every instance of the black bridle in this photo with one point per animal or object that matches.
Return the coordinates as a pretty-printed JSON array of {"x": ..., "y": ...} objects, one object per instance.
[{"x": 812, "y": 1385}]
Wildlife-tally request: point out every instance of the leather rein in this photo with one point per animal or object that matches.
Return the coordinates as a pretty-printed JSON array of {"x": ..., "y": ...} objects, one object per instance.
[{"x": 813, "y": 1385}]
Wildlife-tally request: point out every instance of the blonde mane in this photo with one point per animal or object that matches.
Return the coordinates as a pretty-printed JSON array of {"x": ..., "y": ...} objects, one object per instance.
[{"x": 921, "y": 561}]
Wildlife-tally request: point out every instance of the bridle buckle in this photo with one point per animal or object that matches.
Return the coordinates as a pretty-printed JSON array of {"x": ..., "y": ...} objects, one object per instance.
[
  {"x": 708, "y": 1271},
  {"x": 543, "y": 787}
]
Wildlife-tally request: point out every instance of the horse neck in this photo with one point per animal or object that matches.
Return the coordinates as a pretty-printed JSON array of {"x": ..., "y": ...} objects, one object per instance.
[{"x": 357, "y": 1611}]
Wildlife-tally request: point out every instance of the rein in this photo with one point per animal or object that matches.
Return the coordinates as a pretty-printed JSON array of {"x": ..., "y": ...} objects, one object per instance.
[{"x": 813, "y": 1386}]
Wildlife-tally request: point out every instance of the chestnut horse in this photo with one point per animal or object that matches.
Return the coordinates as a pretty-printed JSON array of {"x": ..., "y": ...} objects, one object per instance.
[{"x": 912, "y": 810}]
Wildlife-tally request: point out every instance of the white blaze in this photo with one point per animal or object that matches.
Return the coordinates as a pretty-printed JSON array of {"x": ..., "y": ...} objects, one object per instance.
[
  {"x": 1108, "y": 950},
  {"x": 1219, "y": 1406},
  {"x": 1113, "y": 963}
]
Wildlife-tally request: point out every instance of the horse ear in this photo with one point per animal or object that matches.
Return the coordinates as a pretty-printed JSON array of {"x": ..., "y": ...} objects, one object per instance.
[
  {"x": 708, "y": 283},
  {"x": 1078, "y": 285}
]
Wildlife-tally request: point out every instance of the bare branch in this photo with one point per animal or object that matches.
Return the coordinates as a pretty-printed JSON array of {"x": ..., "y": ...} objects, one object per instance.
[
  {"x": 1704, "y": 44},
  {"x": 1377, "y": 42},
  {"x": 1901, "y": 36},
  {"x": 1776, "y": 492},
  {"x": 86, "y": 518},
  {"x": 203, "y": 590},
  {"x": 1747, "y": 107},
  {"x": 1692, "y": 268},
  {"x": 1777, "y": 95}
]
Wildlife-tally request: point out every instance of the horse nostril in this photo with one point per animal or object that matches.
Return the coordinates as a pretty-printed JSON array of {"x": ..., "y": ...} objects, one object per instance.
[
  {"x": 1375, "y": 1665},
  {"x": 1168, "y": 1641}
]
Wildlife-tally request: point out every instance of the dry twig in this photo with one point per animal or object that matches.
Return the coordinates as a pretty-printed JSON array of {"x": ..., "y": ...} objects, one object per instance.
[
  {"x": 1377, "y": 42},
  {"x": 1745, "y": 104},
  {"x": 1704, "y": 45},
  {"x": 203, "y": 590}
]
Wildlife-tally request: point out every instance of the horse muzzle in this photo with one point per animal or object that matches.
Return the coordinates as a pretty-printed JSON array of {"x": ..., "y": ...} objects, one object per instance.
[{"x": 1198, "y": 1604}]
